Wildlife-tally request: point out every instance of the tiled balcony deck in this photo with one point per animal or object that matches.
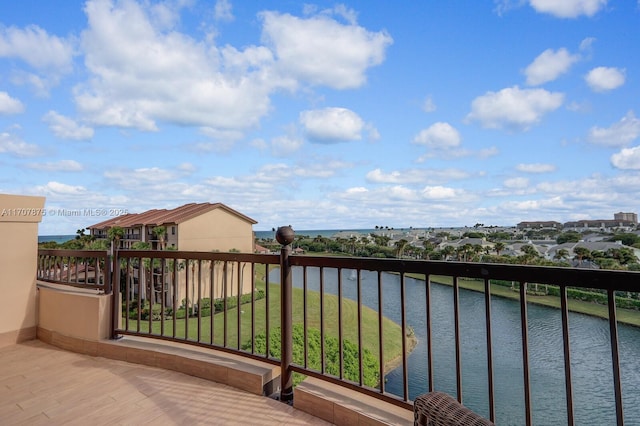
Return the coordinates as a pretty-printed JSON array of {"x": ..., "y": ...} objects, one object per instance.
[{"x": 41, "y": 384}]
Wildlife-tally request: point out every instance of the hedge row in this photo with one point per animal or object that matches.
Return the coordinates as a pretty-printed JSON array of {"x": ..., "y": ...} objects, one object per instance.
[
  {"x": 184, "y": 310},
  {"x": 594, "y": 296}
]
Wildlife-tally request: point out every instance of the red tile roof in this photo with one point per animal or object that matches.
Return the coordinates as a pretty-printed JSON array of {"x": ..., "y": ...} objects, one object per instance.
[{"x": 176, "y": 216}]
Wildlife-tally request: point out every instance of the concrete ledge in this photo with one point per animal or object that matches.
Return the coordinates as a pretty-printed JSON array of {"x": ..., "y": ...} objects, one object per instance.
[
  {"x": 243, "y": 373},
  {"x": 342, "y": 406}
]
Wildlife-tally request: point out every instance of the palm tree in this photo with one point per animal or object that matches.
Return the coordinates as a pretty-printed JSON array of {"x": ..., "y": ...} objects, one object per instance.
[
  {"x": 192, "y": 264},
  {"x": 562, "y": 254},
  {"x": 498, "y": 247},
  {"x": 530, "y": 253},
  {"x": 400, "y": 246},
  {"x": 161, "y": 233},
  {"x": 581, "y": 253},
  {"x": 144, "y": 270},
  {"x": 115, "y": 234},
  {"x": 173, "y": 286},
  {"x": 428, "y": 248},
  {"x": 80, "y": 233},
  {"x": 83, "y": 238},
  {"x": 447, "y": 251},
  {"x": 477, "y": 249},
  {"x": 353, "y": 242},
  {"x": 464, "y": 251}
]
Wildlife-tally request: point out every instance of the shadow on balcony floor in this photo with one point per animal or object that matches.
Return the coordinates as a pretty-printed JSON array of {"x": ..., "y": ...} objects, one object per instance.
[{"x": 41, "y": 384}]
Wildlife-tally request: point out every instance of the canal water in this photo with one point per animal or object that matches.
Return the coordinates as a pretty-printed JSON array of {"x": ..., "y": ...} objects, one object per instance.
[{"x": 594, "y": 402}]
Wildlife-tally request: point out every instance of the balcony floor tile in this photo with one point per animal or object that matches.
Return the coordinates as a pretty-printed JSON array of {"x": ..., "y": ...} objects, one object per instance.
[{"x": 41, "y": 384}]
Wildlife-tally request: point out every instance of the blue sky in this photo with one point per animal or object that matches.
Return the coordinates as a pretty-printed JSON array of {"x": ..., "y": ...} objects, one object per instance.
[{"x": 323, "y": 115}]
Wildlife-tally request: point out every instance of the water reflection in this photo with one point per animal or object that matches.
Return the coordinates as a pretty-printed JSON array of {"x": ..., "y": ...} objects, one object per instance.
[{"x": 594, "y": 401}]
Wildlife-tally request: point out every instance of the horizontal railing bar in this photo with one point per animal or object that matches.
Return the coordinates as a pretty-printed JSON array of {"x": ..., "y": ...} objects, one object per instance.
[
  {"x": 567, "y": 277},
  {"x": 102, "y": 254},
  {"x": 271, "y": 259}
]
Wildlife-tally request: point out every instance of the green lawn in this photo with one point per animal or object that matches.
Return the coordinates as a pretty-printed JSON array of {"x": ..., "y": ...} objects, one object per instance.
[
  {"x": 392, "y": 342},
  {"x": 625, "y": 316}
]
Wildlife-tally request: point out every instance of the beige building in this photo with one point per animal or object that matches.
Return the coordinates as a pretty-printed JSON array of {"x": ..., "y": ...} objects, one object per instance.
[
  {"x": 191, "y": 227},
  {"x": 628, "y": 217},
  {"x": 19, "y": 218},
  {"x": 204, "y": 227}
]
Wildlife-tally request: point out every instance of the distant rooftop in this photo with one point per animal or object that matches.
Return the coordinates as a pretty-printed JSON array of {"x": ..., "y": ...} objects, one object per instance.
[{"x": 157, "y": 217}]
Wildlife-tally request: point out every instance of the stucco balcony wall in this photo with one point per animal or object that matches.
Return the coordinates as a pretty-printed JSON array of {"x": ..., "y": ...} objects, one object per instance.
[
  {"x": 19, "y": 218},
  {"x": 70, "y": 318}
]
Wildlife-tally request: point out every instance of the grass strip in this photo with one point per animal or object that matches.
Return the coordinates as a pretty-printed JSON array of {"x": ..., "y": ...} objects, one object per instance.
[
  {"x": 624, "y": 316},
  {"x": 392, "y": 332}
]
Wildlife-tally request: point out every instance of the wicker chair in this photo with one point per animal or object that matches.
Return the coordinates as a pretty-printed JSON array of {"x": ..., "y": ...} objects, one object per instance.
[{"x": 440, "y": 409}]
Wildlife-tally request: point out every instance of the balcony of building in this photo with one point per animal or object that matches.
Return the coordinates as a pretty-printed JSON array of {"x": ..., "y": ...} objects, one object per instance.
[{"x": 167, "y": 334}]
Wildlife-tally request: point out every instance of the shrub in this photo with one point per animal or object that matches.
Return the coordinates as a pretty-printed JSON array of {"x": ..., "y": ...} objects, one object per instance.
[
  {"x": 205, "y": 307},
  {"x": 371, "y": 372}
]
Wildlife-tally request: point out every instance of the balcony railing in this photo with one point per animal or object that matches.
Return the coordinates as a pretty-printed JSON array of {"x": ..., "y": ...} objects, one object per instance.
[
  {"x": 79, "y": 268},
  {"x": 236, "y": 302}
]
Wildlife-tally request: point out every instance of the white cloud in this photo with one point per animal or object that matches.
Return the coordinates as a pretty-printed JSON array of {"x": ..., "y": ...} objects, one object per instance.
[
  {"x": 549, "y": 65},
  {"x": 60, "y": 190},
  {"x": 586, "y": 43},
  {"x": 58, "y": 166},
  {"x": 457, "y": 153},
  {"x": 568, "y": 8},
  {"x": 428, "y": 105},
  {"x": 320, "y": 169},
  {"x": 223, "y": 11},
  {"x": 141, "y": 74},
  {"x": 492, "y": 151},
  {"x": 603, "y": 79},
  {"x": 66, "y": 128},
  {"x": 284, "y": 145},
  {"x": 224, "y": 139},
  {"x": 581, "y": 107},
  {"x": 323, "y": 51},
  {"x": 514, "y": 107},
  {"x": 516, "y": 183},
  {"x": 621, "y": 133},
  {"x": 400, "y": 192},
  {"x": 11, "y": 144},
  {"x": 415, "y": 176},
  {"x": 627, "y": 159},
  {"x": 9, "y": 105},
  {"x": 535, "y": 168},
  {"x": 332, "y": 125},
  {"x": 357, "y": 190},
  {"x": 143, "y": 71},
  {"x": 440, "y": 192},
  {"x": 439, "y": 135},
  {"x": 49, "y": 55},
  {"x": 147, "y": 177},
  {"x": 372, "y": 132},
  {"x": 349, "y": 15},
  {"x": 259, "y": 143},
  {"x": 37, "y": 48}
]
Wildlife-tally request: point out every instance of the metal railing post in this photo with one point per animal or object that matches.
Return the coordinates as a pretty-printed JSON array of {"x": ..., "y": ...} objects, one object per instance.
[
  {"x": 114, "y": 283},
  {"x": 285, "y": 237}
]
